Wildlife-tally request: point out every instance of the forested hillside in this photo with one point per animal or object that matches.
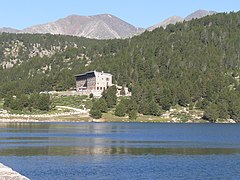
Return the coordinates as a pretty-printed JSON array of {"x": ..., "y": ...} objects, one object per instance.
[
  {"x": 194, "y": 63},
  {"x": 34, "y": 63}
]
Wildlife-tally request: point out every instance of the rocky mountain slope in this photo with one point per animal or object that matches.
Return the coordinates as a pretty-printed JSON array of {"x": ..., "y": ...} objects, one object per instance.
[
  {"x": 104, "y": 26},
  {"x": 199, "y": 14},
  {"x": 9, "y": 30},
  {"x": 175, "y": 19},
  {"x": 171, "y": 20}
]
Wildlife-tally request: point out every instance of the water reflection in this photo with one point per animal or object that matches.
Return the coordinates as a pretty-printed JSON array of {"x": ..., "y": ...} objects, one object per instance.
[
  {"x": 73, "y": 151},
  {"x": 70, "y": 139}
]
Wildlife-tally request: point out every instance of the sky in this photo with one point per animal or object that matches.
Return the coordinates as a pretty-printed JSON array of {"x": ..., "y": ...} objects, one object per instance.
[{"x": 20, "y": 14}]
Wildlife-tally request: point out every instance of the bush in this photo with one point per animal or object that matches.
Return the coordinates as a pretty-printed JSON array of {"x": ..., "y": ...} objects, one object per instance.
[
  {"x": 211, "y": 113},
  {"x": 133, "y": 115},
  {"x": 91, "y": 95},
  {"x": 95, "y": 113},
  {"x": 121, "y": 109},
  {"x": 98, "y": 107}
]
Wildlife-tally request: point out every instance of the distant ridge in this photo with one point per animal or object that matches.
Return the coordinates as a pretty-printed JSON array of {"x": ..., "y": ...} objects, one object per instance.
[
  {"x": 171, "y": 20},
  {"x": 9, "y": 30},
  {"x": 175, "y": 19},
  {"x": 103, "y": 26},
  {"x": 199, "y": 14}
]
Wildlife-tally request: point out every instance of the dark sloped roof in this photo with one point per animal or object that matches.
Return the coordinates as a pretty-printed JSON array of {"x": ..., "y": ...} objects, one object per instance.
[{"x": 84, "y": 74}]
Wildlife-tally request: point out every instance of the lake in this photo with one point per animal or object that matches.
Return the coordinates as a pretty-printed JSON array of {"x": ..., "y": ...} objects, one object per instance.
[{"x": 121, "y": 150}]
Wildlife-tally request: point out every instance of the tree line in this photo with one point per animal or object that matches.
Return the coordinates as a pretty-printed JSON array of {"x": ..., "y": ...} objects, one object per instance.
[{"x": 28, "y": 103}]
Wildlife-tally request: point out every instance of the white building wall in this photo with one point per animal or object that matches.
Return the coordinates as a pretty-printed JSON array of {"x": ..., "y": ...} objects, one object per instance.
[{"x": 103, "y": 81}]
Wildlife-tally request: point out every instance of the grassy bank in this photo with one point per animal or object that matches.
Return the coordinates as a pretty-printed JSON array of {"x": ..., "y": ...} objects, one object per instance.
[
  {"x": 110, "y": 117},
  {"x": 80, "y": 102}
]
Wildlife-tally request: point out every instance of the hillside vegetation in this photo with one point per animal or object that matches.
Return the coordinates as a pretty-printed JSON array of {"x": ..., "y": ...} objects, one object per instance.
[
  {"x": 30, "y": 63},
  {"x": 194, "y": 64}
]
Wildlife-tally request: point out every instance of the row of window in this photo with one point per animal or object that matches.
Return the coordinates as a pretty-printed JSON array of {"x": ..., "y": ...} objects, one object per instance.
[
  {"x": 107, "y": 79},
  {"x": 101, "y": 88}
]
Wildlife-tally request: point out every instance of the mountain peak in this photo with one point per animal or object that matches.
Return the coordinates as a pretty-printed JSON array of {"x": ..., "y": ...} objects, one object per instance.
[
  {"x": 171, "y": 20},
  {"x": 102, "y": 26},
  {"x": 199, "y": 14},
  {"x": 175, "y": 19}
]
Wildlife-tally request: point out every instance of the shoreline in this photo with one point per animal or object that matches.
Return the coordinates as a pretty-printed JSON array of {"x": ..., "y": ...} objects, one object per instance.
[
  {"x": 89, "y": 120},
  {"x": 71, "y": 114},
  {"x": 79, "y": 115}
]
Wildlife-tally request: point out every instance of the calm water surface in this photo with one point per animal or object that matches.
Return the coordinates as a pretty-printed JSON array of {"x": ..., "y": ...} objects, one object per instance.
[{"x": 121, "y": 150}]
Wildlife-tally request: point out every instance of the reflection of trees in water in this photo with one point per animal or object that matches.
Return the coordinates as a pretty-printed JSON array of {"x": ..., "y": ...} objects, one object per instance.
[
  {"x": 96, "y": 151},
  {"x": 60, "y": 139},
  {"x": 24, "y": 126},
  {"x": 67, "y": 139}
]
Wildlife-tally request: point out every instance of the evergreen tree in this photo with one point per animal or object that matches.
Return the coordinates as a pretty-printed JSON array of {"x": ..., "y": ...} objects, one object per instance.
[
  {"x": 22, "y": 102},
  {"x": 167, "y": 99},
  {"x": 144, "y": 108},
  {"x": 133, "y": 114},
  {"x": 234, "y": 109},
  {"x": 131, "y": 105},
  {"x": 121, "y": 109},
  {"x": 44, "y": 102},
  {"x": 183, "y": 97},
  {"x": 154, "y": 109},
  {"x": 7, "y": 101},
  {"x": 110, "y": 96},
  {"x": 211, "y": 113},
  {"x": 223, "y": 110},
  {"x": 95, "y": 111}
]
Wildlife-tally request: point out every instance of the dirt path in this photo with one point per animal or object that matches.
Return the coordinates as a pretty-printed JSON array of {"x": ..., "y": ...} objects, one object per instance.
[{"x": 74, "y": 109}]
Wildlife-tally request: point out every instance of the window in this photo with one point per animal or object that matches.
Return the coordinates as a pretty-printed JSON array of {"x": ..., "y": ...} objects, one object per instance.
[
  {"x": 100, "y": 88},
  {"x": 97, "y": 88},
  {"x": 107, "y": 79}
]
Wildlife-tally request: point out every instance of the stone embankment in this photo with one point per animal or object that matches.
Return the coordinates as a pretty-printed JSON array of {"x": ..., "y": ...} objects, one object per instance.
[{"x": 7, "y": 173}]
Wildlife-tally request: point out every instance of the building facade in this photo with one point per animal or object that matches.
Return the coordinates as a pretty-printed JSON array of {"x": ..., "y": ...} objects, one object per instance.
[{"x": 93, "y": 82}]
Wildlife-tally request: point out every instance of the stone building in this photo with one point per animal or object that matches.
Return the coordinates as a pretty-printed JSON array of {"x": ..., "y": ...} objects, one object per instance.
[
  {"x": 96, "y": 82},
  {"x": 93, "y": 82}
]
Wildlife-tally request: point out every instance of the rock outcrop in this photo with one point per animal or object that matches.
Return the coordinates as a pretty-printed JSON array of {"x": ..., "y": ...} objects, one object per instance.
[{"x": 7, "y": 173}]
